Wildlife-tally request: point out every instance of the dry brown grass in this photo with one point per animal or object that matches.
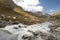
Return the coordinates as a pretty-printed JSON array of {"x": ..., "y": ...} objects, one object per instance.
[{"x": 25, "y": 17}]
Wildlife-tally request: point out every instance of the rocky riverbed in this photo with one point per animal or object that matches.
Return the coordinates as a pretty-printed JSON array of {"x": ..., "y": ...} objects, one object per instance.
[{"x": 47, "y": 30}]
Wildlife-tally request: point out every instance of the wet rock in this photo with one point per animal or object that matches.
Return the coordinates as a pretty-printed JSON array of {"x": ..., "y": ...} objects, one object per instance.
[
  {"x": 58, "y": 29},
  {"x": 3, "y": 24},
  {"x": 14, "y": 17},
  {"x": 9, "y": 17},
  {"x": 15, "y": 23}
]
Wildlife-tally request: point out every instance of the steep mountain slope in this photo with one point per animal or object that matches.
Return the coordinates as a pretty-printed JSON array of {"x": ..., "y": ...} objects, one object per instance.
[
  {"x": 40, "y": 14},
  {"x": 10, "y": 12},
  {"x": 57, "y": 14}
]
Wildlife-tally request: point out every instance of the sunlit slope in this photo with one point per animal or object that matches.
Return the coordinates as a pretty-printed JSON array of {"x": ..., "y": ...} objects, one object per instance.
[
  {"x": 14, "y": 11},
  {"x": 57, "y": 14}
]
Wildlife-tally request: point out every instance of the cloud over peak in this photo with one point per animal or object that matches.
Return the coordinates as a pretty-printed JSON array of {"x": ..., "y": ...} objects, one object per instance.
[{"x": 29, "y": 5}]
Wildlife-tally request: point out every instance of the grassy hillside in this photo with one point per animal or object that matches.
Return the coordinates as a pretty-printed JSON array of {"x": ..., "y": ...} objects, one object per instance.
[
  {"x": 56, "y": 14},
  {"x": 17, "y": 14}
]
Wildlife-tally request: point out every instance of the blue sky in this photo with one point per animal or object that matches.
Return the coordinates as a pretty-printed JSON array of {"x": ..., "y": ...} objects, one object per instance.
[{"x": 50, "y": 6}]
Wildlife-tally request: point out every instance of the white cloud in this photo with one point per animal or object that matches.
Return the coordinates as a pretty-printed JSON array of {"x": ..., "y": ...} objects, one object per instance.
[
  {"x": 29, "y": 5},
  {"x": 51, "y": 10}
]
